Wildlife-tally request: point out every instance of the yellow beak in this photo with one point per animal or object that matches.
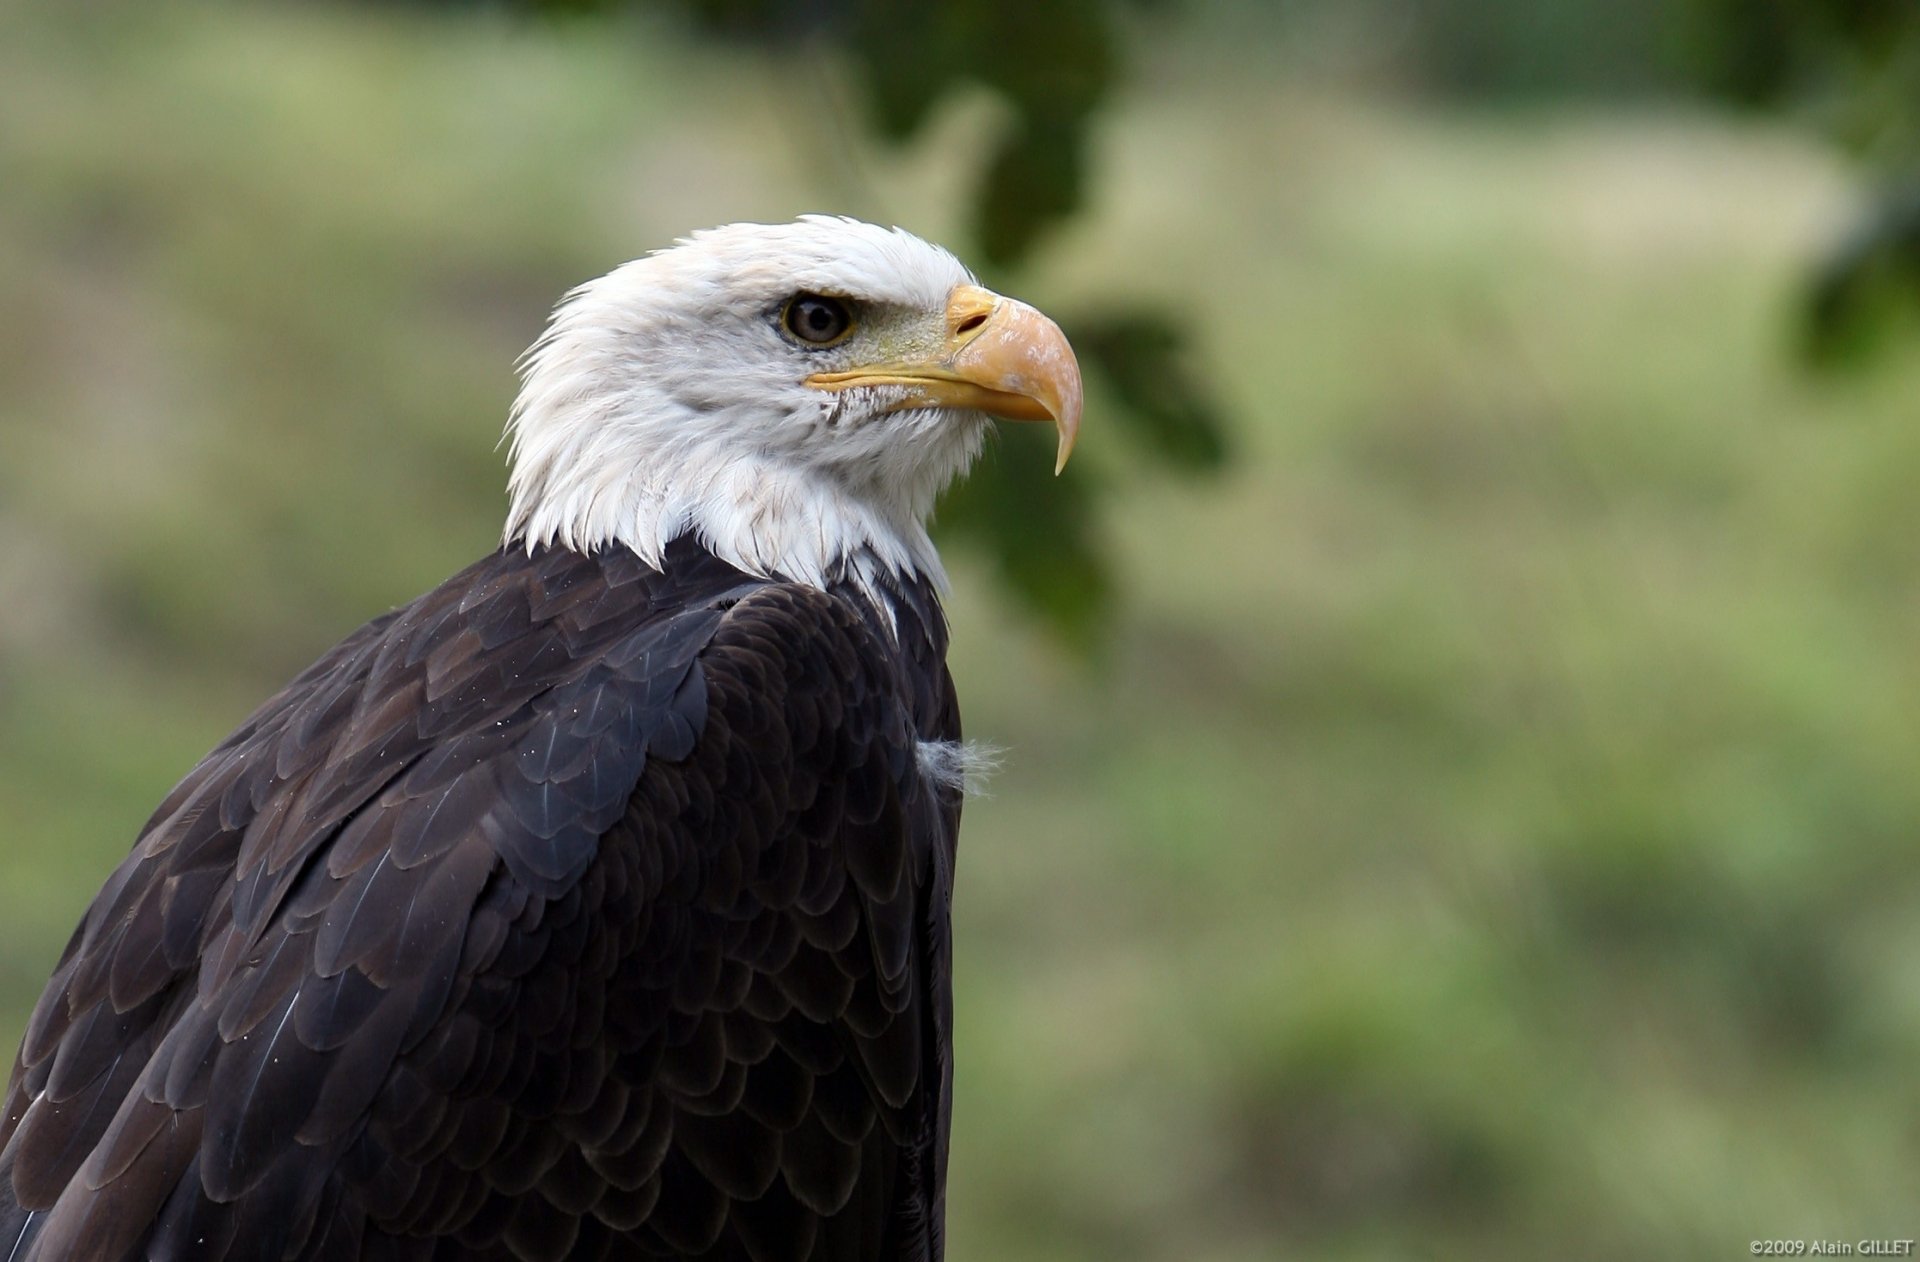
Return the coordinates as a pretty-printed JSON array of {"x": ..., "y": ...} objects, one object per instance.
[{"x": 1001, "y": 357}]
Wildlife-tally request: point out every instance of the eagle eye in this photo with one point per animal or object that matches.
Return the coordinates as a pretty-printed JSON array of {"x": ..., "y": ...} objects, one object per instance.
[{"x": 817, "y": 319}]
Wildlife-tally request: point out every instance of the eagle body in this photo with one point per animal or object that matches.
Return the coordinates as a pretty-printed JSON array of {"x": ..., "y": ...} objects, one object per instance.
[
  {"x": 596, "y": 903},
  {"x": 576, "y": 910}
]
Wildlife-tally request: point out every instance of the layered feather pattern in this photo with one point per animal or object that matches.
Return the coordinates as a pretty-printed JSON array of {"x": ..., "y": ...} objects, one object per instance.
[{"x": 579, "y": 909}]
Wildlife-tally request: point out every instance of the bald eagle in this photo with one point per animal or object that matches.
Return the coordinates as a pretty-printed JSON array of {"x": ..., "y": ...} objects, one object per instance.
[{"x": 596, "y": 903}]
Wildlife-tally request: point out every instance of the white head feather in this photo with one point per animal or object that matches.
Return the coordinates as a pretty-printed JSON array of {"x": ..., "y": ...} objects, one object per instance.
[{"x": 664, "y": 398}]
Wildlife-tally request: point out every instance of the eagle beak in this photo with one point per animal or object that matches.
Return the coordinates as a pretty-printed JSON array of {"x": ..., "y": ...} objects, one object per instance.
[{"x": 1001, "y": 357}]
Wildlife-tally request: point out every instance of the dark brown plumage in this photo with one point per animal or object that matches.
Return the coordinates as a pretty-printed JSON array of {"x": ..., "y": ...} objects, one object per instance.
[{"x": 575, "y": 910}]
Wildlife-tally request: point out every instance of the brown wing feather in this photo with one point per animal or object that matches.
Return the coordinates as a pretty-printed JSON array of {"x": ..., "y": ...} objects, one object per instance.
[{"x": 576, "y": 910}]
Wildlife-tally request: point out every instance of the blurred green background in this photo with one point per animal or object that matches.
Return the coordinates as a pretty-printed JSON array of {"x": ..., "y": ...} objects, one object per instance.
[{"x": 1486, "y": 823}]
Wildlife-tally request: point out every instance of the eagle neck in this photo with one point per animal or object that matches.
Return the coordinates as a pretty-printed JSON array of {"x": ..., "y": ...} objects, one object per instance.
[{"x": 761, "y": 516}]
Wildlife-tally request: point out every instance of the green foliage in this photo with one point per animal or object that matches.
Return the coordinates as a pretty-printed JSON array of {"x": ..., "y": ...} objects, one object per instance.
[
  {"x": 1849, "y": 69},
  {"x": 1039, "y": 532},
  {"x": 1164, "y": 400},
  {"x": 1768, "y": 52},
  {"x": 1522, "y": 50},
  {"x": 1868, "y": 286},
  {"x": 1853, "y": 67},
  {"x": 1053, "y": 64}
]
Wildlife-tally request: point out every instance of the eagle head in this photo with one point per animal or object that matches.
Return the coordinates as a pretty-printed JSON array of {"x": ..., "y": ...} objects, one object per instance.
[{"x": 797, "y": 395}]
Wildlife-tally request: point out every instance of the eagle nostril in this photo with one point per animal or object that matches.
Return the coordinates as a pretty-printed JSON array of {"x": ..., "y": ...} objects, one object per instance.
[{"x": 971, "y": 323}]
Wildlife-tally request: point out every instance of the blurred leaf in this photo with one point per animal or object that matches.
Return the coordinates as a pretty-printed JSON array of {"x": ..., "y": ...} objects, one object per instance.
[
  {"x": 1144, "y": 360},
  {"x": 1853, "y": 68},
  {"x": 1867, "y": 282},
  {"x": 1055, "y": 65},
  {"x": 1745, "y": 50},
  {"x": 1848, "y": 61},
  {"x": 1039, "y": 531},
  {"x": 905, "y": 79},
  {"x": 1033, "y": 182}
]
